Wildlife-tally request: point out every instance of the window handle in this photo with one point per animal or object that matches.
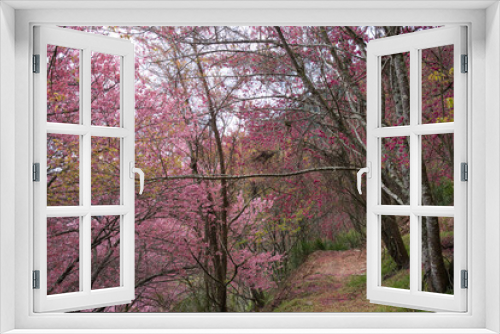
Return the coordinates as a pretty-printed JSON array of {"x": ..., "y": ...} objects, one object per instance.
[
  {"x": 139, "y": 171},
  {"x": 368, "y": 171}
]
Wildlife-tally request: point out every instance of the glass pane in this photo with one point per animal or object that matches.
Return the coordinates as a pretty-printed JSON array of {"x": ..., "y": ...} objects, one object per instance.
[
  {"x": 437, "y": 84},
  {"x": 63, "y": 255},
  {"x": 105, "y": 171},
  {"x": 395, "y": 89},
  {"x": 395, "y": 170},
  {"x": 105, "y": 252},
  {"x": 105, "y": 89},
  {"x": 63, "y": 85},
  {"x": 437, "y": 254},
  {"x": 395, "y": 252},
  {"x": 437, "y": 170},
  {"x": 63, "y": 170}
]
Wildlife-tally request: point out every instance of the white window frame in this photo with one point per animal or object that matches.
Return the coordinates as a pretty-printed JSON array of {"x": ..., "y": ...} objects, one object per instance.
[
  {"x": 483, "y": 20},
  {"x": 414, "y": 43},
  {"x": 85, "y": 298}
]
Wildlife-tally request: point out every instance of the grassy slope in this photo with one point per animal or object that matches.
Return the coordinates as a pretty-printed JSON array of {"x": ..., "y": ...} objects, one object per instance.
[{"x": 333, "y": 279}]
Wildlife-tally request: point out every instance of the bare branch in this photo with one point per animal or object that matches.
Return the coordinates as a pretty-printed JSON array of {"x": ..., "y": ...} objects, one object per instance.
[{"x": 251, "y": 176}]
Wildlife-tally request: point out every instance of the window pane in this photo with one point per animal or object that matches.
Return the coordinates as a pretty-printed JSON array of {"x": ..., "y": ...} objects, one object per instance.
[
  {"x": 63, "y": 255},
  {"x": 105, "y": 252},
  {"x": 437, "y": 170},
  {"x": 105, "y": 171},
  {"x": 437, "y": 254},
  {"x": 63, "y": 170},
  {"x": 395, "y": 267},
  {"x": 105, "y": 89},
  {"x": 395, "y": 89},
  {"x": 437, "y": 84},
  {"x": 395, "y": 172},
  {"x": 63, "y": 85}
]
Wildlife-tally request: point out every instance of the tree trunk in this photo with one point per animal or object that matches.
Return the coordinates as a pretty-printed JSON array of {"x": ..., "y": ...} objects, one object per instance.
[
  {"x": 393, "y": 241},
  {"x": 404, "y": 87},
  {"x": 219, "y": 229},
  {"x": 435, "y": 269}
]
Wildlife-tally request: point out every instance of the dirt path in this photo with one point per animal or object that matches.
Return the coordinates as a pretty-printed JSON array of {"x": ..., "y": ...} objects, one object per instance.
[{"x": 324, "y": 283}]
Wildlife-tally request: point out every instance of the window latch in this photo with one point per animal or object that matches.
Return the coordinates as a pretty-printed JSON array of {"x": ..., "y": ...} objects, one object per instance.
[
  {"x": 368, "y": 171},
  {"x": 133, "y": 170}
]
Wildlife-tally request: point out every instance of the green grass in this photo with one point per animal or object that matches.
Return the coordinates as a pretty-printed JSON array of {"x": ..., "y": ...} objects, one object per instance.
[
  {"x": 391, "y": 276},
  {"x": 295, "y": 305},
  {"x": 357, "y": 281}
]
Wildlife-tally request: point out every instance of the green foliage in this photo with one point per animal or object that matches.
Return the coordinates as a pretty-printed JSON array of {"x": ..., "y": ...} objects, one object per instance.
[
  {"x": 348, "y": 240},
  {"x": 343, "y": 241},
  {"x": 443, "y": 193},
  {"x": 295, "y": 305},
  {"x": 196, "y": 301},
  {"x": 300, "y": 251},
  {"x": 193, "y": 302}
]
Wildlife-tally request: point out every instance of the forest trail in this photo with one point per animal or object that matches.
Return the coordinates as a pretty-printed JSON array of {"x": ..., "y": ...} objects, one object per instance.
[{"x": 325, "y": 283}]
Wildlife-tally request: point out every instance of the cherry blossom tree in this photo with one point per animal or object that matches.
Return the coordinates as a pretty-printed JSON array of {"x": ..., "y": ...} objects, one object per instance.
[{"x": 249, "y": 138}]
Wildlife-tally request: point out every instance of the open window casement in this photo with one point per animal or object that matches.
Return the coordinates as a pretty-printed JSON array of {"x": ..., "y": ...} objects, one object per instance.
[
  {"x": 407, "y": 178},
  {"x": 84, "y": 165}
]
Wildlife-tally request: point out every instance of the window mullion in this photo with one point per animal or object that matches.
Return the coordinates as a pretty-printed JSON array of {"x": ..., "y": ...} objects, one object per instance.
[
  {"x": 85, "y": 83},
  {"x": 81, "y": 225},
  {"x": 414, "y": 168}
]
